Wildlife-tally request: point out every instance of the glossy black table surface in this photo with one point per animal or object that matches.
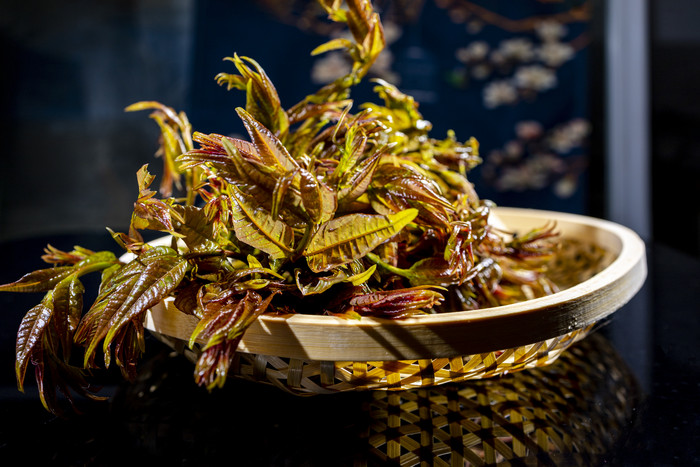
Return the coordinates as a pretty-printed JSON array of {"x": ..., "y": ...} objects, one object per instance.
[{"x": 629, "y": 394}]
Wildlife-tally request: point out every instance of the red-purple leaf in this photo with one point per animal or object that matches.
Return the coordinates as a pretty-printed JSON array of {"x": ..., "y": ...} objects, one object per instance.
[
  {"x": 140, "y": 285},
  {"x": 226, "y": 317},
  {"x": 213, "y": 364},
  {"x": 271, "y": 150},
  {"x": 355, "y": 183},
  {"x": 67, "y": 308},
  {"x": 160, "y": 276},
  {"x": 318, "y": 199},
  {"x": 395, "y": 303},
  {"x": 29, "y": 336}
]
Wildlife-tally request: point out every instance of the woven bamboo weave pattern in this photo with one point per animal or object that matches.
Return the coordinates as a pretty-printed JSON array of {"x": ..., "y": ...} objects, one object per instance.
[
  {"x": 569, "y": 413},
  {"x": 319, "y": 377},
  {"x": 572, "y": 412}
]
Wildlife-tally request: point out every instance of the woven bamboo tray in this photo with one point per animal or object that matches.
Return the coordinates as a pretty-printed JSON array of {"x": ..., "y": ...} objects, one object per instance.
[{"x": 309, "y": 354}]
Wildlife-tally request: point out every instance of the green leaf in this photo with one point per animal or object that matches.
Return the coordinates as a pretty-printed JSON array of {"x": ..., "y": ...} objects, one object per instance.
[
  {"x": 144, "y": 178},
  {"x": 356, "y": 182},
  {"x": 140, "y": 285},
  {"x": 221, "y": 314},
  {"x": 38, "y": 281},
  {"x": 198, "y": 233},
  {"x": 176, "y": 138},
  {"x": 58, "y": 313},
  {"x": 238, "y": 148},
  {"x": 435, "y": 271},
  {"x": 374, "y": 42},
  {"x": 362, "y": 277},
  {"x": 163, "y": 272},
  {"x": 172, "y": 145},
  {"x": 108, "y": 273},
  {"x": 253, "y": 262},
  {"x": 428, "y": 271},
  {"x": 96, "y": 262},
  {"x": 152, "y": 105},
  {"x": 271, "y": 150},
  {"x": 333, "y": 44},
  {"x": 262, "y": 100},
  {"x": 319, "y": 284},
  {"x": 359, "y": 15},
  {"x": 317, "y": 198},
  {"x": 350, "y": 237},
  {"x": 278, "y": 194},
  {"x": 255, "y": 226}
]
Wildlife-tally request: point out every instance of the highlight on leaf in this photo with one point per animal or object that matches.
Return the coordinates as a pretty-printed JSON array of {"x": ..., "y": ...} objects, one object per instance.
[{"x": 351, "y": 237}]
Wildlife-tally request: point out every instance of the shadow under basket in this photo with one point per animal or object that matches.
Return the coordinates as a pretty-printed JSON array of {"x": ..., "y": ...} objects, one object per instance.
[{"x": 601, "y": 263}]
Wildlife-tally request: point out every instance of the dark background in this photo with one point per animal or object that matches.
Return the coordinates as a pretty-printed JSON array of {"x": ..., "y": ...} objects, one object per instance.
[
  {"x": 70, "y": 152},
  {"x": 675, "y": 119}
]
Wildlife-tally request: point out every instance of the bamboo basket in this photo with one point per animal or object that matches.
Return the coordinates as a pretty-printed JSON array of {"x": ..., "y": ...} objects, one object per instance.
[{"x": 311, "y": 354}]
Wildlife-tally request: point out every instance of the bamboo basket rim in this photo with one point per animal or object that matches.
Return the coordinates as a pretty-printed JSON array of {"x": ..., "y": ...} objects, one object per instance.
[{"x": 329, "y": 338}]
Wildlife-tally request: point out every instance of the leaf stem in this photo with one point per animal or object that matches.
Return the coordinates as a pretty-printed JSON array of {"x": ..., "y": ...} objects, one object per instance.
[
  {"x": 308, "y": 234},
  {"x": 211, "y": 254},
  {"x": 377, "y": 260}
]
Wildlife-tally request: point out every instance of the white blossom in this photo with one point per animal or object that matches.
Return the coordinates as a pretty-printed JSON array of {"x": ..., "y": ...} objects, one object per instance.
[
  {"x": 547, "y": 163},
  {"x": 329, "y": 68},
  {"x": 481, "y": 71},
  {"x": 498, "y": 93},
  {"x": 528, "y": 130},
  {"x": 554, "y": 54},
  {"x": 392, "y": 32},
  {"x": 457, "y": 16},
  {"x": 514, "y": 179},
  {"x": 565, "y": 187},
  {"x": 462, "y": 54},
  {"x": 513, "y": 150},
  {"x": 497, "y": 57},
  {"x": 534, "y": 173},
  {"x": 551, "y": 31},
  {"x": 475, "y": 51},
  {"x": 518, "y": 49},
  {"x": 475, "y": 26},
  {"x": 495, "y": 157},
  {"x": 579, "y": 128},
  {"x": 535, "y": 77},
  {"x": 566, "y": 137}
]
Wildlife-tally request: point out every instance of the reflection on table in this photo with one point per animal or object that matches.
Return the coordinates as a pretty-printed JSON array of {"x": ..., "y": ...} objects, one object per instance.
[{"x": 571, "y": 412}]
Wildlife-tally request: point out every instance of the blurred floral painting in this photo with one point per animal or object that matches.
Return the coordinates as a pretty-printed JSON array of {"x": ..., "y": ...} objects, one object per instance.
[{"x": 512, "y": 73}]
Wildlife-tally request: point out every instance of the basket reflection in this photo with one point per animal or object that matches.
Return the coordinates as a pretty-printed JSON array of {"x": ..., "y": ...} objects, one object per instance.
[{"x": 571, "y": 412}]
